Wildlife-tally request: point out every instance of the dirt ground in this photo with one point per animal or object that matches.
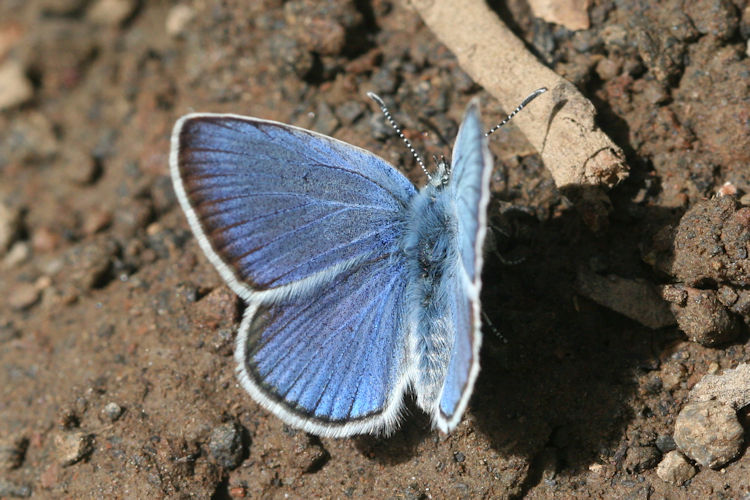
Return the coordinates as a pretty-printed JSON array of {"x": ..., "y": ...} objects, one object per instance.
[{"x": 116, "y": 369}]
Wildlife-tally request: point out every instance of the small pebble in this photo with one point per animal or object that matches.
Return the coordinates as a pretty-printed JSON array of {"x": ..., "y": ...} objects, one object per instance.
[
  {"x": 323, "y": 36},
  {"x": 223, "y": 341},
  {"x": 216, "y": 307},
  {"x": 96, "y": 220},
  {"x": 111, "y": 12},
  {"x": 89, "y": 264},
  {"x": 675, "y": 469},
  {"x": 309, "y": 455},
  {"x": 597, "y": 469},
  {"x": 660, "y": 52},
  {"x": 727, "y": 295},
  {"x": 727, "y": 189},
  {"x": 19, "y": 253},
  {"x": 80, "y": 167},
  {"x": 291, "y": 54},
  {"x": 641, "y": 458},
  {"x": 22, "y": 296},
  {"x": 74, "y": 446},
  {"x": 674, "y": 294},
  {"x": 742, "y": 306},
  {"x": 608, "y": 69},
  {"x": 614, "y": 36},
  {"x": 44, "y": 239},
  {"x": 704, "y": 319},
  {"x": 238, "y": 492},
  {"x": 226, "y": 446},
  {"x": 112, "y": 411},
  {"x": 665, "y": 443},
  {"x": 15, "y": 87},
  {"x": 654, "y": 92},
  {"x": 709, "y": 433},
  {"x": 178, "y": 18},
  {"x": 672, "y": 375}
]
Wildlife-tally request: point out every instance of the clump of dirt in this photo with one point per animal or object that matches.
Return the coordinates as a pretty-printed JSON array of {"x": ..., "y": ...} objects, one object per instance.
[{"x": 707, "y": 255}]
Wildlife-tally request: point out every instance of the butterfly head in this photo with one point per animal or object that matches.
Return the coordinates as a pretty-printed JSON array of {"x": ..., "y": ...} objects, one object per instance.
[{"x": 442, "y": 175}]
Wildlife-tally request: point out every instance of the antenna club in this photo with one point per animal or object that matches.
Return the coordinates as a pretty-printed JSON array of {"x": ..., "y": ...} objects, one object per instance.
[
  {"x": 375, "y": 97},
  {"x": 523, "y": 104}
]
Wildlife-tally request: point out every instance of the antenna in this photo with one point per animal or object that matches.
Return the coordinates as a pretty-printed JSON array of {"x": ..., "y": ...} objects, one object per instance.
[
  {"x": 523, "y": 104},
  {"x": 395, "y": 126}
]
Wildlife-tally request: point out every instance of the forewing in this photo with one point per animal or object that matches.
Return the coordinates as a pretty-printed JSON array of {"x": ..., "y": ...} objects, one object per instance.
[
  {"x": 470, "y": 190},
  {"x": 336, "y": 365},
  {"x": 470, "y": 186},
  {"x": 280, "y": 210}
]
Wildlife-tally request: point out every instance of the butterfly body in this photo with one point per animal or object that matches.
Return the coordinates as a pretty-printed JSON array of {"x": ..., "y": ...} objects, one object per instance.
[
  {"x": 358, "y": 286},
  {"x": 431, "y": 251}
]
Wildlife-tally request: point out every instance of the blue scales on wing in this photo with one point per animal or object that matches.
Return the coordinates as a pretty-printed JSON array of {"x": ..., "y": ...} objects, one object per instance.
[
  {"x": 335, "y": 365},
  {"x": 470, "y": 186},
  {"x": 306, "y": 229},
  {"x": 278, "y": 205}
]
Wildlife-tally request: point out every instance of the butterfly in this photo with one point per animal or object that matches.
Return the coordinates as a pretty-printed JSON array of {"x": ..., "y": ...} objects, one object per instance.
[{"x": 359, "y": 287}]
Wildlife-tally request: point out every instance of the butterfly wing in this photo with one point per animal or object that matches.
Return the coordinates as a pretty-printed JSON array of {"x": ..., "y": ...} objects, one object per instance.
[
  {"x": 470, "y": 190},
  {"x": 305, "y": 229},
  {"x": 280, "y": 210},
  {"x": 336, "y": 365}
]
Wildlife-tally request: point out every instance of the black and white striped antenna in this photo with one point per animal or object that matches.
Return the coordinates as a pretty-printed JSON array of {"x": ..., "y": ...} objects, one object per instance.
[
  {"x": 395, "y": 126},
  {"x": 414, "y": 153},
  {"x": 523, "y": 104}
]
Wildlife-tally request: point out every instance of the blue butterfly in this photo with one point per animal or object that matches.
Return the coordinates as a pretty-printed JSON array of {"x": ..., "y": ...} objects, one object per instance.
[{"x": 358, "y": 286}]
